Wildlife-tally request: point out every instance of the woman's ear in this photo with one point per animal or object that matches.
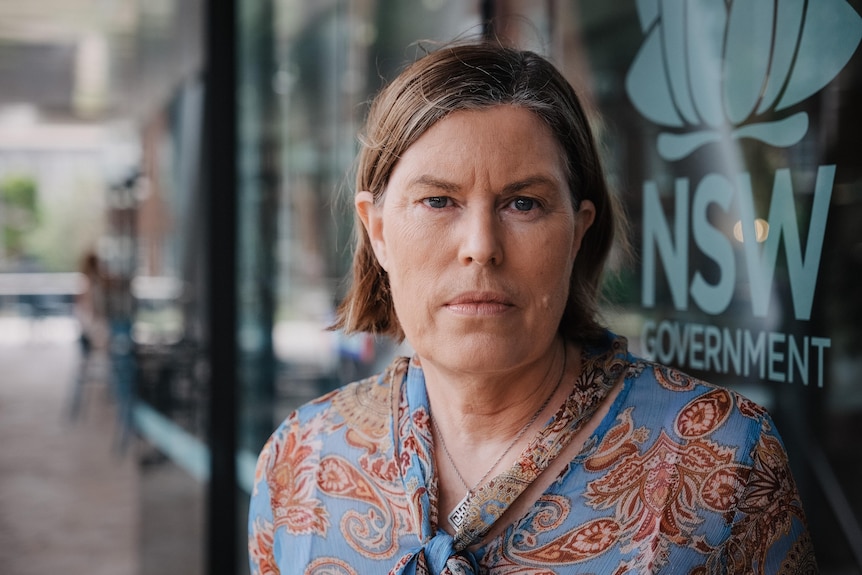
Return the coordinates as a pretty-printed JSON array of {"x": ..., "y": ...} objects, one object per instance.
[
  {"x": 584, "y": 218},
  {"x": 371, "y": 216}
]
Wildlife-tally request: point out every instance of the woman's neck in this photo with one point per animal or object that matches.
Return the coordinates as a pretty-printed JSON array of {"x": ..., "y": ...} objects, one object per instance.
[{"x": 483, "y": 412}]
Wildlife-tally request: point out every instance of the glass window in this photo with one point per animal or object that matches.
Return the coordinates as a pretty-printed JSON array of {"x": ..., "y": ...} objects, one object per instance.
[{"x": 729, "y": 130}]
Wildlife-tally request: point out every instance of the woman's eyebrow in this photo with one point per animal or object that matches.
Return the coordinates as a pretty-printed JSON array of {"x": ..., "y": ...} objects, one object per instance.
[
  {"x": 428, "y": 181},
  {"x": 529, "y": 182}
]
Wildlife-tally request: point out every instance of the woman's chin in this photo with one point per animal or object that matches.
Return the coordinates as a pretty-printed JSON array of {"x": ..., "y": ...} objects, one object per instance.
[{"x": 476, "y": 354}]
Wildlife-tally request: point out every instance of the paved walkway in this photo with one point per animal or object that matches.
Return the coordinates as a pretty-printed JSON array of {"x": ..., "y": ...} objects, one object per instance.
[{"x": 68, "y": 500}]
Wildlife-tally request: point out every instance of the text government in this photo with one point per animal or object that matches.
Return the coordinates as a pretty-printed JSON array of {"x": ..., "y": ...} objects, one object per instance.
[{"x": 767, "y": 355}]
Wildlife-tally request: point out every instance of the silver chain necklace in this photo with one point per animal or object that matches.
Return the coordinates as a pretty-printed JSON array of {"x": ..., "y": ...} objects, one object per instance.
[{"x": 459, "y": 514}]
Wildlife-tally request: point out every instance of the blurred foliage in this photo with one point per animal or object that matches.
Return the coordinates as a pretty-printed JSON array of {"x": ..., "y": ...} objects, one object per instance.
[
  {"x": 70, "y": 225},
  {"x": 20, "y": 213},
  {"x": 48, "y": 232}
]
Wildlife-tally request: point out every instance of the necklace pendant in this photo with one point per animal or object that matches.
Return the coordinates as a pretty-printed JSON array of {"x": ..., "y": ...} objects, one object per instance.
[{"x": 459, "y": 515}]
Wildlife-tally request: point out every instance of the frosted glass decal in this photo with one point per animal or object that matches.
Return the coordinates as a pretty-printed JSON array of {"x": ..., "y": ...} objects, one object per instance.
[{"x": 722, "y": 70}]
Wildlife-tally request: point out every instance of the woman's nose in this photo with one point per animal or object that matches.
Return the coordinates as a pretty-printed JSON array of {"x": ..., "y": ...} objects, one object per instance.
[{"x": 480, "y": 238}]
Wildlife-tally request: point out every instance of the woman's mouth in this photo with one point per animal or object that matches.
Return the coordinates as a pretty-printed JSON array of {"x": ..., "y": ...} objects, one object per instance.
[{"x": 479, "y": 304}]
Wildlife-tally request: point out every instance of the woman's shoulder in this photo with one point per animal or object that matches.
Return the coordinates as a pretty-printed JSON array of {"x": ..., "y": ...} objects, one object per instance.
[
  {"x": 672, "y": 382},
  {"x": 363, "y": 408},
  {"x": 690, "y": 408},
  {"x": 661, "y": 384}
]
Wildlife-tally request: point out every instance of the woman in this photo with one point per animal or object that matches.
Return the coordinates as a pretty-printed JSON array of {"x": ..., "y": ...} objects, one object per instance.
[{"x": 521, "y": 436}]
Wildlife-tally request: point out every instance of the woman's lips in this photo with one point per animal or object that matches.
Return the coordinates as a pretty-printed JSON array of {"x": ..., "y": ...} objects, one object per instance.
[{"x": 479, "y": 303}]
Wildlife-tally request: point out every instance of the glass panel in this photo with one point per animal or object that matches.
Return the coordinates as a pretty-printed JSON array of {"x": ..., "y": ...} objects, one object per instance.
[
  {"x": 168, "y": 294},
  {"x": 727, "y": 132},
  {"x": 737, "y": 168},
  {"x": 170, "y": 411}
]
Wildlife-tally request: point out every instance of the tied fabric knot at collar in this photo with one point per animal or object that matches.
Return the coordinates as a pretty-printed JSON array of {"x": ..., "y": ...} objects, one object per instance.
[
  {"x": 438, "y": 556},
  {"x": 437, "y": 553}
]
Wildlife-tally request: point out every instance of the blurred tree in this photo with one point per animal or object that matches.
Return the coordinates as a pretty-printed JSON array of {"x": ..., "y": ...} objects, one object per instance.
[
  {"x": 19, "y": 213},
  {"x": 70, "y": 223}
]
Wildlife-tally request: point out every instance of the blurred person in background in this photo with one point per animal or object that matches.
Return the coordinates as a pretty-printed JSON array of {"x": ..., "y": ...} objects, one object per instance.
[
  {"x": 90, "y": 305},
  {"x": 90, "y": 311},
  {"x": 522, "y": 435}
]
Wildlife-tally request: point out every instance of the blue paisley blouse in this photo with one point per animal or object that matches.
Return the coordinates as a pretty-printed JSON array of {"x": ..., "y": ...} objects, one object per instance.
[{"x": 679, "y": 477}]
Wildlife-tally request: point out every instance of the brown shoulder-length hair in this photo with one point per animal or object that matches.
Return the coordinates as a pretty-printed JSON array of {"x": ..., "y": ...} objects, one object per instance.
[{"x": 476, "y": 76}]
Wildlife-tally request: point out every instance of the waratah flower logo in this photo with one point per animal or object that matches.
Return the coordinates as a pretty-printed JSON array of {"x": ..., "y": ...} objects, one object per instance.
[{"x": 710, "y": 70}]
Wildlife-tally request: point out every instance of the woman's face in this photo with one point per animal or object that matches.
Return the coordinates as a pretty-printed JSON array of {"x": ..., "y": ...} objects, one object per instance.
[{"x": 478, "y": 234}]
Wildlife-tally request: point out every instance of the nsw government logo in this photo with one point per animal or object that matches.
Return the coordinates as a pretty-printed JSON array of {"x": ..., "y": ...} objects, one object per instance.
[
  {"x": 711, "y": 73},
  {"x": 710, "y": 70}
]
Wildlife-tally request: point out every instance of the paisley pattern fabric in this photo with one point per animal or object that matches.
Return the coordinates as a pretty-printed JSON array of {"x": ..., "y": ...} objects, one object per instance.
[{"x": 679, "y": 476}]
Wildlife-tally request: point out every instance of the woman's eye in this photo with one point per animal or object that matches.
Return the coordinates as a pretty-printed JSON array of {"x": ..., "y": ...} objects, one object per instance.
[
  {"x": 436, "y": 202},
  {"x": 523, "y": 204}
]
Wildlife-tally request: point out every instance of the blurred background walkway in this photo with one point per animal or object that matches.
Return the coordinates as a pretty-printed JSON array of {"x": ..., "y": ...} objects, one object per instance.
[{"x": 68, "y": 496}]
